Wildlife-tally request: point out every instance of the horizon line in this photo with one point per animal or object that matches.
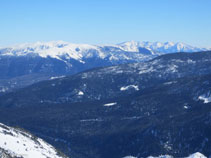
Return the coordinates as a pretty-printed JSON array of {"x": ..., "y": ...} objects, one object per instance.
[{"x": 102, "y": 44}]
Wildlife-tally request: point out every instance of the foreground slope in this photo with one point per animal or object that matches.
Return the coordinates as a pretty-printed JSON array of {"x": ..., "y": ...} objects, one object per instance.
[{"x": 16, "y": 143}]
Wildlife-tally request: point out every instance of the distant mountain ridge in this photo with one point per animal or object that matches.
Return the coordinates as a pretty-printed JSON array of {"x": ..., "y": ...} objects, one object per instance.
[
  {"x": 61, "y": 49},
  {"x": 25, "y": 64},
  {"x": 114, "y": 81},
  {"x": 163, "y": 47}
]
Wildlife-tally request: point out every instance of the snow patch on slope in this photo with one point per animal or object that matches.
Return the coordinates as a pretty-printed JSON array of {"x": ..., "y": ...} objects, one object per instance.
[
  {"x": 129, "y": 87},
  {"x": 197, "y": 155},
  {"x": 80, "y": 93},
  {"x": 17, "y": 143},
  {"x": 205, "y": 99},
  {"x": 3, "y": 89},
  {"x": 56, "y": 77},
  {"x": 110, "y": 104}
]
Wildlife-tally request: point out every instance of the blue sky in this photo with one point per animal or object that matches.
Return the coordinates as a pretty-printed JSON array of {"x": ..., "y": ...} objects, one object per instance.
[{"x": 105, "y": 21}]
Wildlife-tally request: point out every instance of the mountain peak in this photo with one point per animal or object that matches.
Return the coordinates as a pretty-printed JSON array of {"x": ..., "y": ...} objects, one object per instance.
[
  {"x": 61, "y": 49},
  {"x": 162, "y": 47}
]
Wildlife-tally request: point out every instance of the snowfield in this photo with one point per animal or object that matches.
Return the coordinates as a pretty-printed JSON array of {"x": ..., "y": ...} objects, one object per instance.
[
  {"x": 197, "y": 155},
  {"x": 17, "y": 143},
  {"x": 110, "y": 104}
]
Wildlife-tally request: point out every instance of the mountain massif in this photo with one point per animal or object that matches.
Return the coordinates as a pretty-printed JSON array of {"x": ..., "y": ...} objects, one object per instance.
[
  {"x": 159, "y": 106},
  {"x": 25, "y": 64},
  {"x": 115, "y": 81}
]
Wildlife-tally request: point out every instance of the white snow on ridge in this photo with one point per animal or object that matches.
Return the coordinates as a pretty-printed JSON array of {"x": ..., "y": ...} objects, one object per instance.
[
  {"x": 21, "y": 144},
  {"x": 54, "y": 49},
  {"x": 56, "y": 77},
  {"x": 172, "y": 68},
  {"x": 170, "y": 82},
  {"x": 131, "y": 46},
  {"x": 3, "y": 89},
  {"x": 186, "y": 107},
  {"x": 166, "y": 47},
  {"x": 110, "y": 104},
  {"x": 197, "y": 155},
  {"x": 146, "y": 70},
  {"x": 129, "y": 87},
  {"x": 80, "y": 93},
  {"x": 64, "y": 51}
]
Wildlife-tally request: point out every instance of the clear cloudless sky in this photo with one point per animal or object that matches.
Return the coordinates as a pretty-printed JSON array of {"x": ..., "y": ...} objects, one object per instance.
[{"x": 105, "y": 21}]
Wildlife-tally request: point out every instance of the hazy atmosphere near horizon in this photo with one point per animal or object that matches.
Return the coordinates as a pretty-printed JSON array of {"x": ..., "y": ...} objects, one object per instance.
[
  {"x": 105, "y": 78},
  {"x": 105, "y": 21}
]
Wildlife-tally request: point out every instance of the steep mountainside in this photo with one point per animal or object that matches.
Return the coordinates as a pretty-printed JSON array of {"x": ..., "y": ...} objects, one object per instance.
[
  {"x": 111, "y": 82},
  {"x": 42, "y": 61},
  {"x": 16, "y": 143},
  {"x": 157, "y": 107},
  {"x": 171, "y": 118}
]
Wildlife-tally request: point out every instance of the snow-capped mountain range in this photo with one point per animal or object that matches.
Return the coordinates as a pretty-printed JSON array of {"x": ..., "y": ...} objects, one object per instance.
[
  {"x": 25, "y": 64},
  {"x": 63, "y": 50},
  {"x": 18, "y": 143},
  {"x": 166, "y": 47}
]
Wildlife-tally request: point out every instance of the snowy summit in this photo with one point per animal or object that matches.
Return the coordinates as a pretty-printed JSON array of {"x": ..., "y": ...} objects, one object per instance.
[{"x": 63, "y": 50}]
